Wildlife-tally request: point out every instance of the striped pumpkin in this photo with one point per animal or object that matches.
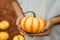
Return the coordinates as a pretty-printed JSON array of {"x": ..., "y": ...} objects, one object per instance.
[{"x": 31, "y": 24}]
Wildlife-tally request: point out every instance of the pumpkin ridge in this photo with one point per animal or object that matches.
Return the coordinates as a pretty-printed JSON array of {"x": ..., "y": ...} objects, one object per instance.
[
  {"x": 38, "y": 26},
  {"x": 31, "y": 27},
  {"x": 41, "y": 24},
  {"x": 25, "y": 23}
]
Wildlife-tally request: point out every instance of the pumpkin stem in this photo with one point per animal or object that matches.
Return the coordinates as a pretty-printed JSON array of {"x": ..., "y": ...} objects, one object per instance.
[{"x": 30, "y": 12}]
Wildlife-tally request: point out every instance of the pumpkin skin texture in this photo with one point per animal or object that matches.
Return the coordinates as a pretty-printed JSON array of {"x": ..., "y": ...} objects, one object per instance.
[
  {"x": 32, "y": 25},
  {"x": 4, "y": 25},
  {"x": 18, "y": 37},
  {"x": 4, "y": 35}
]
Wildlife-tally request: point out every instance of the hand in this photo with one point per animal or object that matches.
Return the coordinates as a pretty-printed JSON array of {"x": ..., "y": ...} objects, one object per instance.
[
  {"x": 19, "y": 28},
  {"x": 46, "y": 31}
]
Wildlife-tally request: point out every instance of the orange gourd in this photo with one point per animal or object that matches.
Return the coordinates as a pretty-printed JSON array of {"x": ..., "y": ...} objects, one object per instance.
[{"x": 32, "y": 25}]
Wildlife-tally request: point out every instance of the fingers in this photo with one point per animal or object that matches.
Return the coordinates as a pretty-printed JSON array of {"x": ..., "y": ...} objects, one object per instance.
[
  {"x": 42, "y": 34},
  {"x": 17, "y": 22},
  {"x": 25, "y": 33},
  {"x": 19, "y": 28},
  {"x": 18, "y": 19},
  {"x": 46, "y": 33},
  {"x": 48, "y": 25}
]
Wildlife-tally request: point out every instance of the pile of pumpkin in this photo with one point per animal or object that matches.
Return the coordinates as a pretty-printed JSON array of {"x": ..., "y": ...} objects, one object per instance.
[{"x": 4, "y": 35}]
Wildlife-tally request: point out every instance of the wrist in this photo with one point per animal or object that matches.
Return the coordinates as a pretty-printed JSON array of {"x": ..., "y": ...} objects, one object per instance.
[
  {"x": 55, "y": 20},
  {"x": 52, "y": 21}
]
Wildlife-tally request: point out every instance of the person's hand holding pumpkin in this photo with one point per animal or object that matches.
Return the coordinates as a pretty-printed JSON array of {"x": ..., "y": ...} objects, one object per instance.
[
  {"x": 49, "y": 25},
  {"x": 46, "y": 30}
]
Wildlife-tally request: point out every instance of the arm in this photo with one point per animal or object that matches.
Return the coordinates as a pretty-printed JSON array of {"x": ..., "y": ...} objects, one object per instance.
[
  {"x": 19, "y": 12},
  {"x": 56, "y": 20},
  {"x": 46, "y": 31},
  {"x": 17, "y": 8}
]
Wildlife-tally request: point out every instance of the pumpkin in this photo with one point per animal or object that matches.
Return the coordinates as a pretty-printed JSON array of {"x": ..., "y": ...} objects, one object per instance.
[
  {"x": 4, "y": 36},
  {"x": 32, "y": 25},
  {"x": 4, "y": 25},
  {"x": 18, "y": 37}
]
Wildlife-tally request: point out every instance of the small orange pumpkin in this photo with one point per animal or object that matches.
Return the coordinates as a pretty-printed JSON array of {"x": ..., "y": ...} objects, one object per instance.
[{"x": 32, "y": 25}]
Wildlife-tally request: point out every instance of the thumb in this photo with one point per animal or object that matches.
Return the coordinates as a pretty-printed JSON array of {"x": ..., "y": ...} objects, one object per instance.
[{"x": 46, "y": 27}]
